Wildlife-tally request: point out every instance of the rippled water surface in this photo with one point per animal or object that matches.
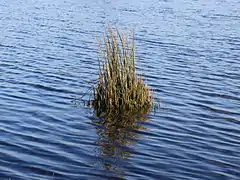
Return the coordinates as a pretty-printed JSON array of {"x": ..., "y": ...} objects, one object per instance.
[{"x": 189, "y": 53}]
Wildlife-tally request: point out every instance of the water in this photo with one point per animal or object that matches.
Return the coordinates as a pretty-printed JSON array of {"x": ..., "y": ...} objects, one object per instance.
[{"x": 188, "y": 52}]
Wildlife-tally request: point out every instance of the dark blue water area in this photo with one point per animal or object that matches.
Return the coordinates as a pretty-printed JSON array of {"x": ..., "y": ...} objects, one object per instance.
[{"x": 188, "y": 52}]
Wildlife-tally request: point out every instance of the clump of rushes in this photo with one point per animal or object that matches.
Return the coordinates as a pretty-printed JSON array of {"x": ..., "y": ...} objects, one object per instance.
[{"x": 120, "y": 91}]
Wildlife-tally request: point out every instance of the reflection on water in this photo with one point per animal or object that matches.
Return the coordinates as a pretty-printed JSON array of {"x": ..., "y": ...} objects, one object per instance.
[
  {"x": 188, "y": 51},
  {"x": 117, "y": 137}
]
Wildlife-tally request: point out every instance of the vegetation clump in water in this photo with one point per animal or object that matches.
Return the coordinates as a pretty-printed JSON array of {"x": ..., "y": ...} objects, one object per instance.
[{"x": 120, "y": 91}]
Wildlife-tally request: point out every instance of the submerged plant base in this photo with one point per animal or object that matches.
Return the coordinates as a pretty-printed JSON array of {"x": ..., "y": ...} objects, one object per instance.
[{"x": 120, "y": 92}]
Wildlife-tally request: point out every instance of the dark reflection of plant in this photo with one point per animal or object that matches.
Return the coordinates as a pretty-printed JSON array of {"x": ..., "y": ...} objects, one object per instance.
[
  {"x": 121, "y": 99},
  {"x": 116, "y": 137}
]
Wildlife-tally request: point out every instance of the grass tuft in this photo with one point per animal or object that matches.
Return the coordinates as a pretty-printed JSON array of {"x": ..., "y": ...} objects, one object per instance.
[{"x": 120, "y": 91}]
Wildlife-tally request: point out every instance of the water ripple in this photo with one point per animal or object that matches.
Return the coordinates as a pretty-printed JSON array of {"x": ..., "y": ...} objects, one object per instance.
[{"x": 188, "y": 53}]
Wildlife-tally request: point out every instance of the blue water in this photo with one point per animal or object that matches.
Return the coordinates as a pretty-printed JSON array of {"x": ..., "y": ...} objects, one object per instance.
[{"x": 188, "y": 52}]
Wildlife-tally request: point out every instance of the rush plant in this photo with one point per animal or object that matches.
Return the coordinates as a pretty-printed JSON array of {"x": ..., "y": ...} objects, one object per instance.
[{"x": 120, "y": 91}]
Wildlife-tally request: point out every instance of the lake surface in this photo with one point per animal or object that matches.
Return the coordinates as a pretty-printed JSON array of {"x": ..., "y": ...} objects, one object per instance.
[{"x": 189, "y": 53}]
